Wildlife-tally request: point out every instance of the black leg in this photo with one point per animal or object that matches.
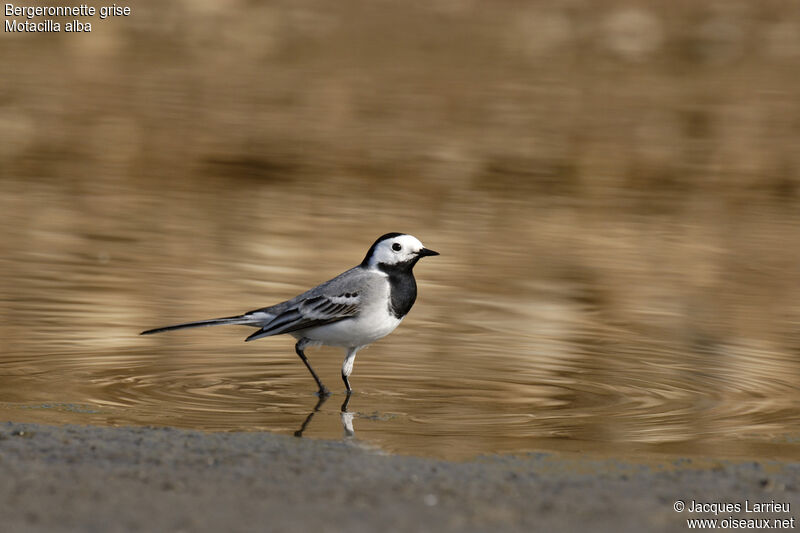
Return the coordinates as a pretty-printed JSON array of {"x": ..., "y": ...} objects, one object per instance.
[
  {"x": 299, "y": 349},
  {"x": 347, "y": 367}
]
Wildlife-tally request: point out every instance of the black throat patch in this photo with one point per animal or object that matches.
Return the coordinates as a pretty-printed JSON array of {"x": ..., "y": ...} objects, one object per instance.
[{"x": 402, "y": 287}]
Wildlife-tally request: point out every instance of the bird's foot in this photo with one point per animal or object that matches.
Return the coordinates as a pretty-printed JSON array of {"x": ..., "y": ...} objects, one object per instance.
[{"x": 323, "y": 391}]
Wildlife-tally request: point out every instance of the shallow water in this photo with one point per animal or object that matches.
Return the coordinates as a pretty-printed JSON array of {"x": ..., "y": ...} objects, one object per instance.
[
  {"x": 524, "y": 337},
  {"x": 617, "y": 210}
]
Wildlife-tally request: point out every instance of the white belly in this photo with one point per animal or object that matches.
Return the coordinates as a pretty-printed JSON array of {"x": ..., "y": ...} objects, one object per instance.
[{"x": 352, "y": 332}]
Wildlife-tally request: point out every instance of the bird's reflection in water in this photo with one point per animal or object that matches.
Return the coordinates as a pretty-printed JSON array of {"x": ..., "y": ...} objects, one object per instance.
[{"x": 347, "y": 417}]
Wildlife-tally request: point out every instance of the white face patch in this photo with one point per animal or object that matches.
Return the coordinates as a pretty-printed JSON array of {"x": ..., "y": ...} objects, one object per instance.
[{"x": 396, "y": 250}]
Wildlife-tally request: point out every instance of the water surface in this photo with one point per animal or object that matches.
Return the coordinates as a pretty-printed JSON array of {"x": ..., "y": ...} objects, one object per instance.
[
  {"x": 614, "y": 190},
  {"x": 527, "y": 335}
]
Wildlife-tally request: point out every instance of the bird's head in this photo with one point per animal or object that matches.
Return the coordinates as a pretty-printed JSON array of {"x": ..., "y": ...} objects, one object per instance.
[{"x": 396, "y": 250}]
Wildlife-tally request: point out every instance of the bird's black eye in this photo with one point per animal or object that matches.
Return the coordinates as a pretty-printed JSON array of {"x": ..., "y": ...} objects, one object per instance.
[{"x": 396, "y": 247}]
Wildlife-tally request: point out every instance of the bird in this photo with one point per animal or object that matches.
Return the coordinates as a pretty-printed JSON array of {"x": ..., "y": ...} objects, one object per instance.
[{"x": 352, "y": 310}]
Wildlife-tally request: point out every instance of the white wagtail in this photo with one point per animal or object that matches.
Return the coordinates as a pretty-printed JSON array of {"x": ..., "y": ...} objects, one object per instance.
[{"x": 352, "y": 310}]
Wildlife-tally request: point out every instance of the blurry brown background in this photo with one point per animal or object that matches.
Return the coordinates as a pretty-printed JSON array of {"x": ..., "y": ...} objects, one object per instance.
[{"x": 613, "y": 186}]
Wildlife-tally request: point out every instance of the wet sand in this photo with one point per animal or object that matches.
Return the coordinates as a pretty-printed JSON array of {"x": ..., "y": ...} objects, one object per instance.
[{"x": 78, "y": 478}]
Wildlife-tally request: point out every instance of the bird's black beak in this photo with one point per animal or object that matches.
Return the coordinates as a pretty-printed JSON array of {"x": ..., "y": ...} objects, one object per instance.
[{"x": 426, "y": 252}]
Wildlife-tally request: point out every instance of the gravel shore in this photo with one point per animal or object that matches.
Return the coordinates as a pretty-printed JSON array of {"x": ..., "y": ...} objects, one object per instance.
[{"x": 75, "y": 478}]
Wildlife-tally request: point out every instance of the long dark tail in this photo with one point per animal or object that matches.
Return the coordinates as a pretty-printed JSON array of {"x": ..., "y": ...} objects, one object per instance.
[{"x": 243, "y": 320}]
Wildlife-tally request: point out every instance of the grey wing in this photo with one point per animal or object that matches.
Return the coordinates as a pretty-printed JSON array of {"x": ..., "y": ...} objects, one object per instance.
[{"x": 335, "y": 300}]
